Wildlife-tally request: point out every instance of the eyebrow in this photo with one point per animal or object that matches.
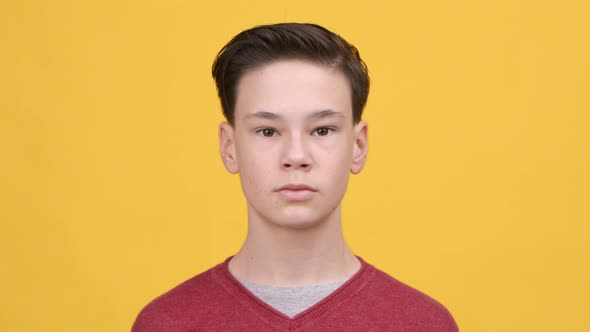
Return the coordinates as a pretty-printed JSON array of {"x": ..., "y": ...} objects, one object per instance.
[
  {"x": 317, "y": 115},
  {"x": 264, "y": 115},
  {"x": 323, "y": 114}
]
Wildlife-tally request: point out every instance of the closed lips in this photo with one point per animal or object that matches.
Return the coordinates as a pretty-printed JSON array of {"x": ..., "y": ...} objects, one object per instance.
[{"x": 297, "y": 187}]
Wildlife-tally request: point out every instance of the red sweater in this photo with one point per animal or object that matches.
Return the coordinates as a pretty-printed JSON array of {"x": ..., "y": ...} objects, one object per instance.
[{"x": 369, "y": 301}]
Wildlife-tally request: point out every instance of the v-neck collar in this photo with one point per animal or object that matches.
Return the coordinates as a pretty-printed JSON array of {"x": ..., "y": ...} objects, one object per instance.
[{"x": 278, "y": 320}]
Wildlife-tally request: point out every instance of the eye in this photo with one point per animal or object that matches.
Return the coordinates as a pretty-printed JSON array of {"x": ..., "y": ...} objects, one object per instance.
[
  {"x": 323, "y": 131},
  {"x": 267, "y": 132}
]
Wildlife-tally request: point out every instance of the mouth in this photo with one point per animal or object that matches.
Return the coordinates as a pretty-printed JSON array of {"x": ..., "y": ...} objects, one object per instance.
[
  {"x": 297, "y": 187},
  {"x": 297, "y": 192}
]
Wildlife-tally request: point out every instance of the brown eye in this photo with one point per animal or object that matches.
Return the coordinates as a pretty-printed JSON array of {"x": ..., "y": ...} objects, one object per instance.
[
  {"x": 267, "y": 132},
  {"x": 322, "y": 131}
]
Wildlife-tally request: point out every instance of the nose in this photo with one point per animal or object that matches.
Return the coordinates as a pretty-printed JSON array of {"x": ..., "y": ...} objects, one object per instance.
[{"x": 296, "y": 154}]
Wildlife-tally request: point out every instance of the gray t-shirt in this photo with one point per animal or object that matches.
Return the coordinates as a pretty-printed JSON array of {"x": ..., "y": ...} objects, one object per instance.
[{"x": 292, "y": 300}]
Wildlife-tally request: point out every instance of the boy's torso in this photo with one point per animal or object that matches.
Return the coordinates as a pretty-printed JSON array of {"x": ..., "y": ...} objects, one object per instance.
[{"x": 371, "y": 300}]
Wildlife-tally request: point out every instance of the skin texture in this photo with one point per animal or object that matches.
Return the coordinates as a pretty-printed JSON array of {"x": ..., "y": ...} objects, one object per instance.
[{"x": 294, "y": 145}]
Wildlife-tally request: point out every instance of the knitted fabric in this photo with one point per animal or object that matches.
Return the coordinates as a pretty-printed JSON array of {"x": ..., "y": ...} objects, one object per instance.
[{"x": 369, "y": 301}]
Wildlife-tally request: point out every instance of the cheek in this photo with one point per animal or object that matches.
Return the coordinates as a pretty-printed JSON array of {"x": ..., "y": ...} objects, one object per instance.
[
  {"x": 338, "y": 156},
  {"x": 338, "y": 161},
  {"x": 255, "y": 171}
]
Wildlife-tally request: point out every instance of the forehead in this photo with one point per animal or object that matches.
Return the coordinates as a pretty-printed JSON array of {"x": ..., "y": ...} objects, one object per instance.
[{"x": 293, "y": 88}]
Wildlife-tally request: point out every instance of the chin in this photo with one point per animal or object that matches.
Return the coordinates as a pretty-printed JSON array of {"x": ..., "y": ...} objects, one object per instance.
[{"x": 298, "y": 220}]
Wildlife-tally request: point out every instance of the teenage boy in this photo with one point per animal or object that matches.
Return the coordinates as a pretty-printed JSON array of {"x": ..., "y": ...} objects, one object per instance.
[{"x": 293, "y": 95}]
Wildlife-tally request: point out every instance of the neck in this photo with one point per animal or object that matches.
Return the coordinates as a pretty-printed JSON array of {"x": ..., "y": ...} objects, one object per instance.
[{"x": 284, "y": 256}]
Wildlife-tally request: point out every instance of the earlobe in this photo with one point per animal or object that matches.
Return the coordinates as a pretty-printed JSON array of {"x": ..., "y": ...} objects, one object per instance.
[
  {"x": 227, "y": 147},
  {"x": 360, "y": 148}
]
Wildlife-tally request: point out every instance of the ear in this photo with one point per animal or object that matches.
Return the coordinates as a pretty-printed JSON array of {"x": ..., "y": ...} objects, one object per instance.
[
  {"x": 227, "y": 147},
  {"x": 360, "y": 147}
]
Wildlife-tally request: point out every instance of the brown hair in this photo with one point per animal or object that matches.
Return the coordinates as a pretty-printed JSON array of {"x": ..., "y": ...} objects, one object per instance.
[{"x": 268, "y": 43}]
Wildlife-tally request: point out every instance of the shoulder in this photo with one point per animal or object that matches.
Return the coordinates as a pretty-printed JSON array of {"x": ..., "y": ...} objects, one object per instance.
[
  {"x": 402, "y": 303},
  {"x": 192, "y": 298}
]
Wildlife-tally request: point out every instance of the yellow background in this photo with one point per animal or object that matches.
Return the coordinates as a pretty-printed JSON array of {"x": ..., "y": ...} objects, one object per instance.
[{"x": 476, "y": 189}]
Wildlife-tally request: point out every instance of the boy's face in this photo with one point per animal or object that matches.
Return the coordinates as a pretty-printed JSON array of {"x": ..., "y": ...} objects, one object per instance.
[{"x": 293, "y": 142}]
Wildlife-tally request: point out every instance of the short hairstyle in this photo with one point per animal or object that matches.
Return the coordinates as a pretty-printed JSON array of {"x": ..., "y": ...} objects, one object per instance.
[{"x": 265, "y": 44}]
